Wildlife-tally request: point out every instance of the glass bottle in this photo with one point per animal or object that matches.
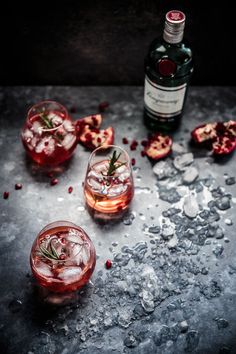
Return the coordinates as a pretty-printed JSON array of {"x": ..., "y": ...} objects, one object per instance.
[{"x": 168, "y": 68}]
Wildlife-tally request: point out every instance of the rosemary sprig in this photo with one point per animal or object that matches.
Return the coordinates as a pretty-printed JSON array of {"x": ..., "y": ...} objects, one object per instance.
[
  {"x": 49, "y": 252},
  {"x": 46, "y": 121},
  {"x": 113, "y": 163}
]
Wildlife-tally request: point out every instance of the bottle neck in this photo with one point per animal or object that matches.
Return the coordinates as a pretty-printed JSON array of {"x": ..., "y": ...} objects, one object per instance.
[{"x": 173, "y": 33}]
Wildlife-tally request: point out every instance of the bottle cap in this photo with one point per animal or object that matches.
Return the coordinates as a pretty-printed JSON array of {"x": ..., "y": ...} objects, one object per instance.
[{"x": 174, "y": 26}]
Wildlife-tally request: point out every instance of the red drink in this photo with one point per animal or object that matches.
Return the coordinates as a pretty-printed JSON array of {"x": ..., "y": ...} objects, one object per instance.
[
  {"x": 62, "y": 257},
  {"x": 108, "y": 193},
  {"x": 48, "y": 135}
]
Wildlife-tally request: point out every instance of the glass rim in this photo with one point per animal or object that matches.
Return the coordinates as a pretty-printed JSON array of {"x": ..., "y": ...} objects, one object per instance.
[
  {"x": 72, "y": 225},
  {"x": 63, "y": 108},
  {"x": 107, "y": 147}
]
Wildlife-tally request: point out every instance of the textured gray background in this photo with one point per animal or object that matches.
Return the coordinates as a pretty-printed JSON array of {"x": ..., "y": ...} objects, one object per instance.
[{"x": 27, "y": 327}]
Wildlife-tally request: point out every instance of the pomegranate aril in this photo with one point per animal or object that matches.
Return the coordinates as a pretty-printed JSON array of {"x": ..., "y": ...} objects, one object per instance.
[
  {"x": 108, "y": 264},
  {"x": 54, "y": 181},
  {"x": 133, "y": 161},
  {"x": 143, "y": 153},
  {"x": 18, "y": 186},
  {"x": 50, "y": 174},
  {"x": 103, "y": 106},
  {"x": 62, "y": 256},
  {"x": 6, "y": 195},
  {"x": 70, "y": 189},
  {"x": 144, "y": 143},
  {"x": 133, "y": 145},
  {"x": 125, "y": 141}
]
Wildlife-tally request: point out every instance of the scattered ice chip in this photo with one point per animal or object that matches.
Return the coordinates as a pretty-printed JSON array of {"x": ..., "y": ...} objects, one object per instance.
[
  {"x": 182, "y": 161},
  {"x": 218, "y": 250},
  {"x": 228, "y": 222},
  {"x": 183, "y": 326},
  {"x": 68, "y": 141},
  {"x": 178, "y": 149},
  {"x": 190, "y": 175},
  {"x": 81, "y": 208},
  {"x": 230, "y": 180},
  {"x": 162, "y": 170},
  {"x": 172, "y": 243},
  {"x": 147, "y": 300},
  {"x": 167, "y": 231},
  {"x": 219, "y": 233},
  {"x": 223, "y": 203},
  {"x": 191, "y": 207}
]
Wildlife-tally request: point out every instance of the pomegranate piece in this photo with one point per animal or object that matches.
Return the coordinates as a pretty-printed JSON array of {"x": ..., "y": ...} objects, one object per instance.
[
  {"x": 224, "y": 145},
  {"x": 231, "y": 127},
  {"x": 125, "y": 141},
  {"x": 93, "y": 138},
  {"x": 94, "y": 121},
  {"x": 204, "y": 132},
  {"x": 54, "y": 181},
  {"x": 103, "y": 106},
  {"x": 18, "y": 186},
  {"x": 6, "y": 195},
  {"x": 158, "y": 146},
  {"x": 108, "y": 264},
  {"x": 70, "y": 189}
]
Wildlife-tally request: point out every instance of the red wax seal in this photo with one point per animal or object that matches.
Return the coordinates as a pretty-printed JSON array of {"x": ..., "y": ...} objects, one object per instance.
[
  {"x": 175, "y": 16},
  {"x": 166, "y": 67}
]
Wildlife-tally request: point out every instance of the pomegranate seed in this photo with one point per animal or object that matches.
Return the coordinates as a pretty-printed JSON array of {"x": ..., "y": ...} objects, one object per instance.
[
  {"x": 95, "y": 121},
  {"x": 63, "y": 241},
  {"x": 54, "y": 181},
  {"x": 70, "y": 189},
  {"x": 108, "y": 264},
  {"x": 62, "y": 256},
  {"x": 5, "y": 195},
  {"x": 50, "y": 174},
  {"x": 143, "y": 153},
  {"x": 144, "y": 143},
  {"x": 46, "y": 143},
  {"x": 125, "y": 141},
  {"x": 133, "y": 161},
  {"x": 133, "y": 145},
  {"x": 18, "y": 186},
  {"x": 103, "y": 106},
  {"x": 73, "y": 109},
  {"x": 99, "y": 140}
]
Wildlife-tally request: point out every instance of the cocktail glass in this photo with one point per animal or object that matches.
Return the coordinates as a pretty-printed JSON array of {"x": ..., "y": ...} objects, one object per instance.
[
  {"x": 62, "y": 257},
  {"x": 48, "y": 135},
  {"x": 108, "y": 185}
]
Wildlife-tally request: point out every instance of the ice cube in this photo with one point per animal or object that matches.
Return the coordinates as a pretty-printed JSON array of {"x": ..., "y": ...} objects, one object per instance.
[
  {"x": 50, "y": 147},
  {"x": 55, "y": 119},
  {"x": 44, "y": 269},
  {"x": 70, "y": 274},
  {"x": 34, "y": 142},
  {"x": 95, "y": 185},
  {"x": 117, "y": 189},
  {"x": 75, "y": 236},
  {"x": 27, "y": 135},
  {"x": 191, "y": 208},
  {"x": 68, "y": 141},
  {"x": 85, "y": 254},
  {"x": 182, "y": 161},
  {"x": 40, "y": 146},
  {"x": 190, "y": 174},
  {"x": 37, "y": 127},
  {"x": 68, "y": 126}
]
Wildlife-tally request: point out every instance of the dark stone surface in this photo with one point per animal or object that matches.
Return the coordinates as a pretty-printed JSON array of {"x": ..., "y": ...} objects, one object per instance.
[
  {"x": 104, "y": 42},
  {"x": 156, "y": 285}
]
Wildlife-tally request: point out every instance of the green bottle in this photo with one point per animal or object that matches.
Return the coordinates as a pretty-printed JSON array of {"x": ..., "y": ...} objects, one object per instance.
[{"x": 168, "y": 68}]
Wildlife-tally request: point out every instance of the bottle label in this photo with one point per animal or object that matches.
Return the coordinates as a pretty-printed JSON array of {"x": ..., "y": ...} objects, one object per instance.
[{"x": 163, "y": 101}]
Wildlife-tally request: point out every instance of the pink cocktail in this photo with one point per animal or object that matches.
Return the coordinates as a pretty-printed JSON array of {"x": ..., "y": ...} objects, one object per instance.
[
  {"x": 62, "y": 257},
  {"x": 48, "y": 135},
  {"x": 108, "y": 186}
]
